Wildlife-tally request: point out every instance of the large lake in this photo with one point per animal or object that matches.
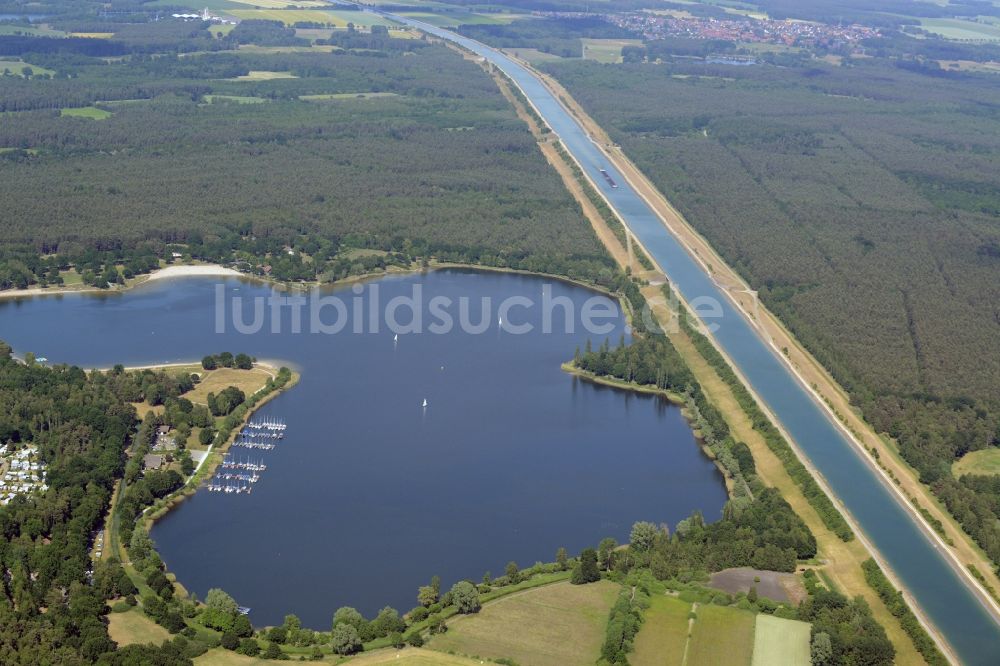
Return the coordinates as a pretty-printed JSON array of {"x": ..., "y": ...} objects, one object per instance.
[{"x": 370, "y": 494}]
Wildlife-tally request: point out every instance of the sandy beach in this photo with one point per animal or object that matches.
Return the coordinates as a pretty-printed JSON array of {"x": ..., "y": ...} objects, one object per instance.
[
  {"x": 209, "y": 270},
  {"x": 205, "y": 270}
]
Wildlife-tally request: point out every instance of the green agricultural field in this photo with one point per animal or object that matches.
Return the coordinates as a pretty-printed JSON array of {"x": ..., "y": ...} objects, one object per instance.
[
  {"x": 37, "y": 31},
  {"x": 198, "y": 5},
  {"x": 341, "y": 96},
  {"x": 983, "y": 462},
  {"x": 263, "y": 75},
  {"x": 422, "y": 4},
  {"x": 721, "y": 635},
  {"x": 606, "y": 50},
  {"x": 452, "y": 19},
  {"x": 664, "y": 633},
  {"x": 780, "y": 642},
  {"x": 961, "y": 29},
  {"x": 532, "y": 55},
  {"x": 281, "y": 4},
  {"x": 554, "y": 625},
  {"x": 312, "y": 34},
  {"x": 16, "y": 68},
  {"x": 236, "y": 99},
  {"x": 322, "y": 48},
  {"x": 412, "y": 657},
  {"x": 330, "y": 17},
  {"x": 91, "y": 112}
]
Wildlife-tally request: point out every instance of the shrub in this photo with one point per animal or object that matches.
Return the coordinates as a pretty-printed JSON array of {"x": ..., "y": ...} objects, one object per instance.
[
  {"x": 230, "y": 641},
  {"x": 274, "y": 652},
  {"x": 346, "y": 639},
  {"x": 249, "y": 647},
  {"x": 586, "y": 570},
  {"x": 466, "y": 597}
]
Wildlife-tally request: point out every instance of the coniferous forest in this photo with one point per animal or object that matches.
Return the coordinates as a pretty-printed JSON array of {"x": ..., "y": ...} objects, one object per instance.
[{"x": 185, "y": 156}]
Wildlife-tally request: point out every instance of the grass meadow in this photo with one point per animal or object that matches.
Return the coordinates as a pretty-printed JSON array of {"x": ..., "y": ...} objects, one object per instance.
[
  {"x": 664, "y": 632},
  {"x": 91, "y": 112},
  {"x": 555, "y": 625},
  {"x": 984, "y": 462},
  {"x": 339, "y": 19},
  {"x": 777, "y": 641},
  {"x": 721, "y": 635}
]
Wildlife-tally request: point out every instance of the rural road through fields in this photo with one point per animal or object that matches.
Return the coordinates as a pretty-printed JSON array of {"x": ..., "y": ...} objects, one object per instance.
[{"x": 949, "y": 597}]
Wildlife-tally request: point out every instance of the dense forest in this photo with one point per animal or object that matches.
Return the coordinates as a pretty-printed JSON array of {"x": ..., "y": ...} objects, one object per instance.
[
  {"x": 301, "y": 173},
  {"x": 52, "y": 599},
  {"x": 862, "y": 202}
]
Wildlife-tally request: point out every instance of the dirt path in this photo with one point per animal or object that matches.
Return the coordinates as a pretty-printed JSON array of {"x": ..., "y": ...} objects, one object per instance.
[
  {"x": 828, "y": 393},
  {"x": 687, "y": 642}
]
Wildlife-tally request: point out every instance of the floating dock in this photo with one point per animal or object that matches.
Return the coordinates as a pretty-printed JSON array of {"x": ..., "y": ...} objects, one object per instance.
[{"x": 237, "y": 476}]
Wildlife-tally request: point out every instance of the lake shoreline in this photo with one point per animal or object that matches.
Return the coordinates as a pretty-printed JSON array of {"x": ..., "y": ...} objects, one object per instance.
[
  {"x": 217, "y": 270},
  {"x": 570, "y": 368},
  {"x": 168, "y": 272}
]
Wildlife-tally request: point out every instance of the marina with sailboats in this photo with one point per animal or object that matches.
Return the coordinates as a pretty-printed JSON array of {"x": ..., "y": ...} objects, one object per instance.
[{"x": 236, "y": 476}]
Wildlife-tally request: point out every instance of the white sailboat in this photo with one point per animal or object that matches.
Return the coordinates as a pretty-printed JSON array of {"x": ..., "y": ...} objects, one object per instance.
[
  {"x": 395, "y": 338},
  {"x": 425, "y": 403}
]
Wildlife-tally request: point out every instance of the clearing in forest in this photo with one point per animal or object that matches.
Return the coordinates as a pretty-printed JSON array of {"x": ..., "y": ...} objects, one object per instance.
[
  {"x": 133, "y": 627},
  {"x": 985, "y": 462},
  {"x": 91, "y": 112}
]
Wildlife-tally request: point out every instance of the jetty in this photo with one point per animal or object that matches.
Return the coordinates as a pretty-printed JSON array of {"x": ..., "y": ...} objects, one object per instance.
[
  {"x": 267, "y": 424},
  {"x": 218, "y": 486},
  {"x": 229, "y": 463},
  {"x": 237, "y": 476}
]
